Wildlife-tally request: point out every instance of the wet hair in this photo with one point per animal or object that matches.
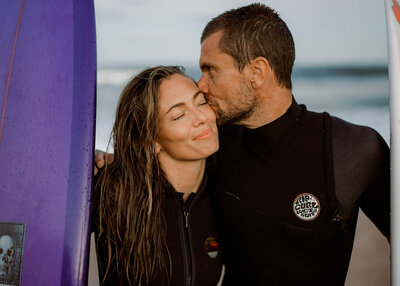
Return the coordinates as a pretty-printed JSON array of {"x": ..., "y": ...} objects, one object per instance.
[
  {"x": 130, "y": 191},
  {"x": 255, "y": 31}
]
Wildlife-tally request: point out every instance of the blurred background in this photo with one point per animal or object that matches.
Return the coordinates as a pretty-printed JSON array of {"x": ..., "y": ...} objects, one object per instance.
[{"x": 340, "y": 67}]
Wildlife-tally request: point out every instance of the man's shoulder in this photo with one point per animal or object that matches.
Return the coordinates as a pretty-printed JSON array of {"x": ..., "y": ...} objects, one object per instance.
[
  {"x": 349, "y": 132},
  {"x": 356, "y": 139}
]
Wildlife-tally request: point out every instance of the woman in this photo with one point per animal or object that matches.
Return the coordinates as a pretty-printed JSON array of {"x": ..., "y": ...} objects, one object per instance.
[{"x": 152, "y": 217}]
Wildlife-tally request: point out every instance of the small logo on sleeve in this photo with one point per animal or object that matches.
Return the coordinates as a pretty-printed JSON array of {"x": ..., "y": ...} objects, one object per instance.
[
  {"x": 306, "y": 207},
  {"x": 211, "y": 247}
]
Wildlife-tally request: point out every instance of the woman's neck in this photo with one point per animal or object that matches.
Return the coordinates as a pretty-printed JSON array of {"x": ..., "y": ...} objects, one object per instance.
[{"x": 185, "y": 176}]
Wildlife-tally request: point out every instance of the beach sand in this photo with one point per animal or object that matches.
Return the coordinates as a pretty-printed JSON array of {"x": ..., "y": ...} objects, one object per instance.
[{"x": 370, "y": 261}]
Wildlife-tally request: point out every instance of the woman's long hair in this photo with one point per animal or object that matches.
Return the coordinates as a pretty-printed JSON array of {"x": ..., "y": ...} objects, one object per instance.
[{"x": 130, "y": 191}]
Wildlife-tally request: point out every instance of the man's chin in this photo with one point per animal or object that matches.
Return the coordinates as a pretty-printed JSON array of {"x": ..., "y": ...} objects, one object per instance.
[
  {"x": 222, "y": 121},
  {"x": 233, "y": 119}
]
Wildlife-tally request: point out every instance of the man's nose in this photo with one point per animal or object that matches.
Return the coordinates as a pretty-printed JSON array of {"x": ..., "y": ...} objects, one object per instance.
[{"x": 203, "y": 83}]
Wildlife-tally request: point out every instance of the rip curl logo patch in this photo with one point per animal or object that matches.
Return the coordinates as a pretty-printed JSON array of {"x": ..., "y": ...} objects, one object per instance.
[
  {"x": 211, "y": 247},
  {"x": 306, "y": 207}
]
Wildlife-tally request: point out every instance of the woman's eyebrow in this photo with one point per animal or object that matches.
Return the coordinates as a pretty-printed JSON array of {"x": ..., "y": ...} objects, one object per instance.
[
  {"x": 181, "y": 103},
  {"x": 197, "y": 94}
]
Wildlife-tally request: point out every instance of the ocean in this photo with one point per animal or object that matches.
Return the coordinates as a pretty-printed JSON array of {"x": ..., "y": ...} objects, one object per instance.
[{"x": 358, "y": 94}]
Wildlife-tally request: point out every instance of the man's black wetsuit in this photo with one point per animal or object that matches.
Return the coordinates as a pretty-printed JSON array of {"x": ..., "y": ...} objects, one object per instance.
[{"x": 287, "y": 196}]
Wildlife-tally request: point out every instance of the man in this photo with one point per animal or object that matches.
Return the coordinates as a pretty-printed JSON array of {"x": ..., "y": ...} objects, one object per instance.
[{"x": 287, "y": 183}]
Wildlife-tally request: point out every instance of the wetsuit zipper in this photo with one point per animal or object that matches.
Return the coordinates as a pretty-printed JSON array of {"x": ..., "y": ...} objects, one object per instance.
[
  {"x": 190, "y": 263},
  {"x": 184, "y": 209},
  {"x": 187, "y": 247}
]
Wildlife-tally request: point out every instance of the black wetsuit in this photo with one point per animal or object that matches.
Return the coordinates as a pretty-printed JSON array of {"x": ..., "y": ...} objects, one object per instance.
[
  {"x": 192, "y": 242},
  {"x": 287, "y": 195}
]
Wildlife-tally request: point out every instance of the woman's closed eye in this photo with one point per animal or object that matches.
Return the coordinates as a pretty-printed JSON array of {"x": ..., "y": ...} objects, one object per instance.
[{"x": 178, "y": 117}]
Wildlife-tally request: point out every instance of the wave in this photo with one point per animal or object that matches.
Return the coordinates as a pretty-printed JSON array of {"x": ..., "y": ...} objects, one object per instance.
[{"x": 115, "y": 77}]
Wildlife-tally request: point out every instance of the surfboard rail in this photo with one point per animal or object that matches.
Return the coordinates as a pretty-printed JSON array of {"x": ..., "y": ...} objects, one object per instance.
[{"x": 392, "y": 9}]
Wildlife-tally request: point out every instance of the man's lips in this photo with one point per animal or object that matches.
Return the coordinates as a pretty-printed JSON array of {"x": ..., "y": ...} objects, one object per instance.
[{"x": 204, "y": 135}]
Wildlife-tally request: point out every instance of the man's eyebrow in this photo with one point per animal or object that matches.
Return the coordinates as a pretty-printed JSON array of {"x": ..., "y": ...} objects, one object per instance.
[
  {"x": 205, "y": 66},
  {"x": 181, "y": 103}
]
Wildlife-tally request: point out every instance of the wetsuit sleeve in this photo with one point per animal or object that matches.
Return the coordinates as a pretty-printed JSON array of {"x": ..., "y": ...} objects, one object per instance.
[
  {"x": 375, "y": 200},
  {"x": 362, "y": 172}
]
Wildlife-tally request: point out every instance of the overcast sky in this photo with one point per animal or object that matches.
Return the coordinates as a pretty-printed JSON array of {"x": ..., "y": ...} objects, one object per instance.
[{"x": 132, "y": 32}]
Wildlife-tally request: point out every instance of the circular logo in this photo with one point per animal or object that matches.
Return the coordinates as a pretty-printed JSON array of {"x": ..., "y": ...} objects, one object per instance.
[
  {"x": 306, "y": 207},
  {"x": 211, "y": 247}
]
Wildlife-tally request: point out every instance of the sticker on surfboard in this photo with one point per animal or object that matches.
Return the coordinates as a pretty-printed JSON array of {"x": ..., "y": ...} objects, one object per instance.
[{"x": 12, "y": 236}]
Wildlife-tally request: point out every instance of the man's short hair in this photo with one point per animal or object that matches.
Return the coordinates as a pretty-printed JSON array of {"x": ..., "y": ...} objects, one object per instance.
[{"x": 255, "y": 31}]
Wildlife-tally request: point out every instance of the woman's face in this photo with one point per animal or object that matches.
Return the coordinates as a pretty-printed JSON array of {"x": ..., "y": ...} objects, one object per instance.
[{"x": 187, "y": 128}]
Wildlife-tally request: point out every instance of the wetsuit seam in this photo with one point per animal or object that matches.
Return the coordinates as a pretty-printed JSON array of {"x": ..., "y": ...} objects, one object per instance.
[{"x": 330, "y": 188}]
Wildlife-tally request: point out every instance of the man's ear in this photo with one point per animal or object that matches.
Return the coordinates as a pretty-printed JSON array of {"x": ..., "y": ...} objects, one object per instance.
[{"x": 260, "y": 70}]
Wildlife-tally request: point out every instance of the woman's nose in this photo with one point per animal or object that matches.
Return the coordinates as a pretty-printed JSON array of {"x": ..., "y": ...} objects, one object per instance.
[{"x": 199, "y": 118}]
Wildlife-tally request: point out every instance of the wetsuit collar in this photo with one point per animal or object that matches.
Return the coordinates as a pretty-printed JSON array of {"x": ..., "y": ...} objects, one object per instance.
[
  {"x": 264, "y": 138},
  {"x": 201, "y": 189}
]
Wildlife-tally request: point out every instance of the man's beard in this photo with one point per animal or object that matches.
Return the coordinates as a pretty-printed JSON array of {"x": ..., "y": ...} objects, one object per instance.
[{"x": 242, "y": 109}]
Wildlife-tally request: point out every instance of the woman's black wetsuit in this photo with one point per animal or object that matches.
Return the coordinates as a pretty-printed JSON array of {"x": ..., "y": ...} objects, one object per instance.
[{"x": 192, "y": 241}]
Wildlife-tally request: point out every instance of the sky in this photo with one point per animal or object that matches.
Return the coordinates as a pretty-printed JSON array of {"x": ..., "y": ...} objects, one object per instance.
[{"x": 149, "y": 32}]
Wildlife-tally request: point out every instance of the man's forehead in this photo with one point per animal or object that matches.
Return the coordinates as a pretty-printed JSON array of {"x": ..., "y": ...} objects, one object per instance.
[
  {"x": 212, "y": 41},
  {"x": 210, "y": 47}
]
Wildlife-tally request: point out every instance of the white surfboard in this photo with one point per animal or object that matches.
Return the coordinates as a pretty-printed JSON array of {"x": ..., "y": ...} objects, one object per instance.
[{"x": 392, "y": 8}]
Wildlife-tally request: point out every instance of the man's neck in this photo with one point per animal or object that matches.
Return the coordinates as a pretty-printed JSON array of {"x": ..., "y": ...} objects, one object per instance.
[{"x": 270, "y": 106}]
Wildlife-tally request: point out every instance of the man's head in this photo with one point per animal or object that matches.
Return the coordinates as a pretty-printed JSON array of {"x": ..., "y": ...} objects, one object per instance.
[{"x": 235, "y": 41}]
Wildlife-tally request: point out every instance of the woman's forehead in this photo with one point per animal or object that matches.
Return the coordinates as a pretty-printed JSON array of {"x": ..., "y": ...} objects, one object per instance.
[{"x": 176, "y": 90}]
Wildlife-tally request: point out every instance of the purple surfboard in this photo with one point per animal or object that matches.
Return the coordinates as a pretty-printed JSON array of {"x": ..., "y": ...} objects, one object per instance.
[{"x": 47, "y": 113}]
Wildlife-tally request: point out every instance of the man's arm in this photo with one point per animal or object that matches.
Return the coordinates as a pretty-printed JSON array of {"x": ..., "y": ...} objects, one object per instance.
[
  {"x": 375, "y": 200},
  {"x": 100, "y": 159},
  {"x": 362, "y": 172}
]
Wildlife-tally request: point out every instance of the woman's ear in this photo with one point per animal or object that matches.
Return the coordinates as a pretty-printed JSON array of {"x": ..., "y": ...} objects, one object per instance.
[
  {"x": 157, "y": 148},
  {"x": 260, "y": 70}
]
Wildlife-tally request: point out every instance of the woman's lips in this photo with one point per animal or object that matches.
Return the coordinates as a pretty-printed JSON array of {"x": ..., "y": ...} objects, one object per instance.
[{"x": 204, "y": 135}]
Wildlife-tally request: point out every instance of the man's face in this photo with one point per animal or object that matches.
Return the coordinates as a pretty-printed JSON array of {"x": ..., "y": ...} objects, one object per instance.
[{"x": 227, "y": 90}]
